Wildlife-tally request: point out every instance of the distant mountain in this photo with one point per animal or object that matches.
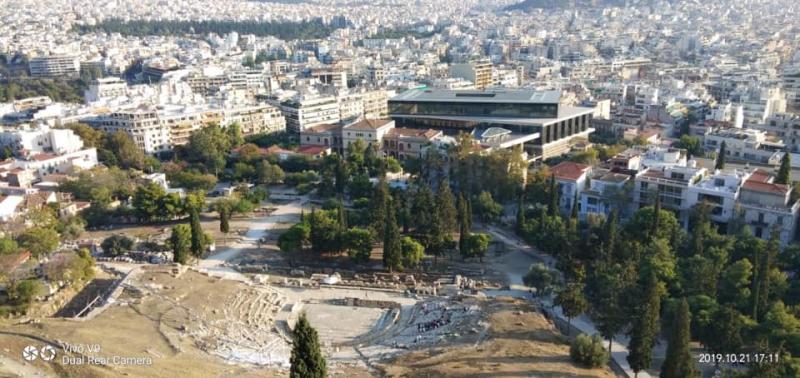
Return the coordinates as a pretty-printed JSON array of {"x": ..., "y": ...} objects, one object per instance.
[{"x": 527, "y": 5}]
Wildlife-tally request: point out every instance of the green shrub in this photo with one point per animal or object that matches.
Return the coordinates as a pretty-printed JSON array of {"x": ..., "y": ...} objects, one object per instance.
[{"x": 588, "y": 351}]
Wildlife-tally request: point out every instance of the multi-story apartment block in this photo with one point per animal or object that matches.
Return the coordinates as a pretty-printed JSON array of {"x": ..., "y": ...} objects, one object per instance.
[
  {"x": 671, "y": 184},
  {"x": 351, "y": 106},
  {"x": 159, "y": 129},
  {"x": 376, "y": 103},
  {"x": 105, "y": 89},
  {"x": 720, "y": 191},
  {"x": 745, "y": 145},
  {"x": 142, "y": 125},
  {"x": 55, "y": 66},
  {"x": 255, "y": 119},
  {"x": 767, "y": 207},
  {"x": 478, "y": 72},
  {"x": 607, "y": 191},
  {"x": 303, "y": 113},
  {"x": 791, "y": 85},
  {"x": 332, "y": 76},
  {"x": 785, "y": 126}
]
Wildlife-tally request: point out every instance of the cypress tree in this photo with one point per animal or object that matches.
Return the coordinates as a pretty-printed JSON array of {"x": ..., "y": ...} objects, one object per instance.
[
  {"x": 784, "y": 175},
  {"x": 307, "y": 360},
  {"x": 469, "y": 214},
  {"x": 445, "y": 206},
  {"x": 679, "y": 362},
  {"x": 392, "y": 248},
  {"x": 463, "y": 229},
  {"x": 574, "y": 214},
  {"x": 341, "y": 214},
  {"x": 764, "y": 264},
  {"x": 378, "y": 206},
  {"x": 198, "y": 238},
  {"x": 656, "y": 217},
  {"x": 520, "y": 226},
  {"x": 645, "y": 328},
  {"x": 720, "y": 164},
  {"x": 552, "y": 207},
  {"x": 610, "y": 235},
  {"x": 224, "y": 217}
]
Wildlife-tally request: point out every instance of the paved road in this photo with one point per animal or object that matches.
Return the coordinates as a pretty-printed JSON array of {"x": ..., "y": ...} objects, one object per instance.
[
  {"x": 215, "y": 264},
  {"x": 515, "y": 272}
]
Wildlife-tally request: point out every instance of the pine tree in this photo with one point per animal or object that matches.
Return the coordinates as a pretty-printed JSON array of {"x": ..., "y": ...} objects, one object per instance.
[
  {"x": 679, "y": 362},
  {"x": 645, "y": 328},
  {"x": 392, "y": 248},
  {"x": 198, "y": 237},
  {"x": 721, "y": 156},
  {"x": 552, "y": 207},
  {"x": 784, "y": 175},
  {"x": 307, "y": 360},
  {"x": 572, "y": 301}
]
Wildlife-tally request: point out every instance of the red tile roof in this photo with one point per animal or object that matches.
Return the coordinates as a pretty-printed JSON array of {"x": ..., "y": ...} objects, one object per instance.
[
  {"x": 761, "y": 181},
  {"x": 568, "y": 170},
  {"x": 312, "y": 150},
  {"x": 369, "y": 124},
  {"x": 322, "y": 128}
]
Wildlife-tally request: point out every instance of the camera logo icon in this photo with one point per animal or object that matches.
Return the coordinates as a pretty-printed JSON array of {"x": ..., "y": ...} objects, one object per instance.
[
  {"x": 46, "y": 353},
  {"x": 30, "y": 353}
]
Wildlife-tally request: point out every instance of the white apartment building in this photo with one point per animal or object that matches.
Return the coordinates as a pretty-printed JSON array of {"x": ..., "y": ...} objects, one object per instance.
[
  {"x": 790, "y": 80},
  {"x": 255, "y": 119},
  {"x": 303, "y": 113},
  {"x": 46, "y": 163},
  {"x": 672, "y": 184},
  {"x": 606, "y": 192},
  {"x": 55, "y": 66},
  {"x": 104, "y": 89},
  {"x": 571, "y": 179},
  {"x": 785, "y": 126},
  {"x": 719, "y": 190},
  {"x": 159, "y": 129},
  {"x": 142, "y": 125},
  {"x": 767, "y": 207},
  {"x": 746, "y": 145},
  {"x": 41, "y": 139},
  {"x": 758, "y": 104}
]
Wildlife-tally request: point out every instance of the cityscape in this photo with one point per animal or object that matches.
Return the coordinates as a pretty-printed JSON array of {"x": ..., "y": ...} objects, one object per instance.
[{"x": 323, "y": 188}]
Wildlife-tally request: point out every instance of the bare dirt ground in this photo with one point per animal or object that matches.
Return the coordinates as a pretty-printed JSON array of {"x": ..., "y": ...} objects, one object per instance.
[
  {"x": 516, "y": 345},
  {"x": 165, "y": 325}
]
